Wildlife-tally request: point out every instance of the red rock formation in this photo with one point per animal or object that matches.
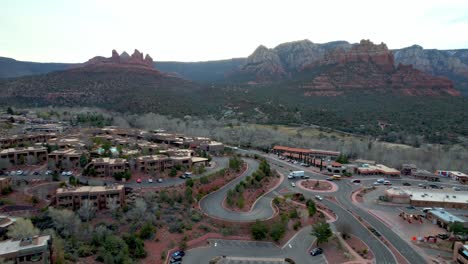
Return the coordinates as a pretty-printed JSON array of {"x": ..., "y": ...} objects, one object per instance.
[
  {"x": 368, "y": 67},
  {"x": 123, "y": 60}
]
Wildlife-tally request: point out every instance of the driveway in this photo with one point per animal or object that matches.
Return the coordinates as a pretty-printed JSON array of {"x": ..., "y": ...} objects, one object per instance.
[
  {"x": 212, "y": 203},
  {"x": 295, "y": 249}
]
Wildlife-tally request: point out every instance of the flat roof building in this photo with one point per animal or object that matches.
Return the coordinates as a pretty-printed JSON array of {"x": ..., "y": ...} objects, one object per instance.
[
  {"x": 18, "y": 156},
  {"x": 101, "y": 197},
  {"x": 37, "y": 249},
  {"x": 66, "y": 158},
  {"x": 428, "y": 197},
  {"x": 107, "y": 167}
]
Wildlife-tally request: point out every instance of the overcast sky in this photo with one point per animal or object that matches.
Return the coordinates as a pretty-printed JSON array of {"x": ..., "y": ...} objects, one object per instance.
[{"x": 197, "y": 30}]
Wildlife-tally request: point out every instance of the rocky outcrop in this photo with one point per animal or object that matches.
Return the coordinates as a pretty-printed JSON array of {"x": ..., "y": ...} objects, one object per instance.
[
  {"x": 263, "y": 65},
  {"x": 136, "y": 59},
  {"x": 436, "y": 62},
  {"x": 368, "y": 67}
]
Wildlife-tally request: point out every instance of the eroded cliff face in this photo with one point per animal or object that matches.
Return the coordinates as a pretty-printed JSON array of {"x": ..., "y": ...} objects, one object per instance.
[
  {"x": 335, "y": 68},
  {"x": 436, "y": 62},
  {"x": 263, "y": 65}
]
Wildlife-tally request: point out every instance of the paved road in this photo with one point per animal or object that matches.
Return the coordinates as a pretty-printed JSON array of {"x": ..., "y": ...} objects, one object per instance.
[
  {"x": 295, "y": 249},
  {"x": 212, "y": 203},
  {"x": 382, "y": 253}
]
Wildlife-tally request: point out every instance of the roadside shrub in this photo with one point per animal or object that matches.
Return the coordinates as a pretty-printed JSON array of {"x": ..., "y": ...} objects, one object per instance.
[
  {"x": 85, "y": 251},
  {"x": 196, "y": 217},
  {"x": 147, "y": 231},
  {"x": 259, "y": 230}
]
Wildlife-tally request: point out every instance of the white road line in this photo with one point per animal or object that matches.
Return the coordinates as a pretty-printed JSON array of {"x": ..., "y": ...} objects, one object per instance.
[{"x": 290, "y": 246}]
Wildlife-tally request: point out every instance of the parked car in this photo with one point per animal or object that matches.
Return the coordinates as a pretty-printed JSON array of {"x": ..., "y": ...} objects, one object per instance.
[
  {"x": 188, "y": 174},
  {"x": 176, "y": 259},
  {"x": 443, "y": 236},
  {"x": 150, "y": 180},
  {"x": 138, "y": 180},
  {"x": 12, "y": 173},
  {"x": 182, "y": 176},
  {"x": 422, "y": 186},
  {"x": 293, "y": 184},
  {"x": 377, "y": 183},
  {"x": 356, "y": 181},
  {"x": 387, "y": 183},
  {"x": 434, "y": 186},
  {"x": 406, "y": 184},
  {"x": 381, "y": 180},
  {"x": 178, "y": 253},
  {"x": 455, "y": 188},
  {"x": 427, "y": 209},
  {"x": 318, "y": 197},
  {"x": 329, "y": 179},
  {"x": 160, "y": 180},
  {"x": 316, "y": 251},
  {"x": 20, "y": 172},
  {"x": 36, "y": 173},
  {"x": 48, "y": 172}
]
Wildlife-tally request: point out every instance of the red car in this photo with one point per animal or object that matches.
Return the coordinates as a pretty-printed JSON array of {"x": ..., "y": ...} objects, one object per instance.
[{"x": 138, "y": 180}]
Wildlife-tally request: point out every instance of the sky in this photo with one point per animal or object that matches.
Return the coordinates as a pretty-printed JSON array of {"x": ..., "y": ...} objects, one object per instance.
[{"x": 200, "y": 30}]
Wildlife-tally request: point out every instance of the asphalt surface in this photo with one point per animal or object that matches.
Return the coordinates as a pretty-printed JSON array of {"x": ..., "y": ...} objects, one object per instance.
[
  {"x": 212, "y": 203},
  {"x": 295, "y": 249}
]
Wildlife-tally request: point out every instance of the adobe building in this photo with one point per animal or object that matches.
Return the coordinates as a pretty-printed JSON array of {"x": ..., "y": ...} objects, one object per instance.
[
  {"x": 212, "y": 147},
  {"x": 107, "y": 167},
  {"x": 101, "y": 197},
  {"x": 22, "y": 140},
  {"x": 70, "y": 156},
  {"x": 37, "y": 249},
  {"x": 19, "y": 156},
  {"x": 153, "y": 163}
]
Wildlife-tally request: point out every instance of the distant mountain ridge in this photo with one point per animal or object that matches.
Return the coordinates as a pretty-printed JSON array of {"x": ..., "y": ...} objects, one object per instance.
[{"x": 282, "y": 60}]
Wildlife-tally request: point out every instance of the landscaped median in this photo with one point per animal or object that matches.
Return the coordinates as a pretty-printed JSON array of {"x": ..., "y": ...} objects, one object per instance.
[{"x": 244, "y": 195}]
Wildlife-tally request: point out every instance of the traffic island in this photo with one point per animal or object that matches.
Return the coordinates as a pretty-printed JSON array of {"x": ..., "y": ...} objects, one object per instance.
[{"x": 319, "y": 186}]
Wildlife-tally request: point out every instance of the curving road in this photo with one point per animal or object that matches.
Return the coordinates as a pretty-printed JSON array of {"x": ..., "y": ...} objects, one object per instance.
[{"x": 212, "y": 203}]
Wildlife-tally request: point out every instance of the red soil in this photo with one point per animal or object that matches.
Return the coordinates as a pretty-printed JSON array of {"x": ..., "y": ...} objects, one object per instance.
[
  {"x": 321, "y": 186},
  {"x": 358, "y": 246}
]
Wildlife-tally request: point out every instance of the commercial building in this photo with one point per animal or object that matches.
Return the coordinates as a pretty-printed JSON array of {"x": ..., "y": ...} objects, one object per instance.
[
  {"x": 37, "y": 249},
  {"x": 412, "y": 171},
  {"x": 66, "y": 158},
  {"x": 107, "y": 167},
  {"x": 428, "y": 197},
  {"x": 18, "y": 156},
  {"x": 305, "y": 155},
  {"x": 378, "y": 169},
  {"x": 443, "y": 218},
  {"x": 101, "y": 197}
]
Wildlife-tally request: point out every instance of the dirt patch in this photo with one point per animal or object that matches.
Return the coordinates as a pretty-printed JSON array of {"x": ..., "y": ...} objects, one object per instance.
[
  {"x": 359, "y": 247},
  {"x": 335, "y": 252},
  {"x": 317, "y": 185}
]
